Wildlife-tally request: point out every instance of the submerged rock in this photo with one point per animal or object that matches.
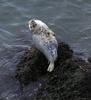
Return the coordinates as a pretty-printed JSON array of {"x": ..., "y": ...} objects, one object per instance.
[{"x": 70, "y": 79}]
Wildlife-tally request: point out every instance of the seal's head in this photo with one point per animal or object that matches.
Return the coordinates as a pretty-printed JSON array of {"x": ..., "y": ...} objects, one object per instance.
[
  {"x": 32, "y": 25},
  {"x": 36, "y": 25}
]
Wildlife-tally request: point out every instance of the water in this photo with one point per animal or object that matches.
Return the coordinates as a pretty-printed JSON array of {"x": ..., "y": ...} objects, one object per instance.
[{"x": 69, "y": 19}]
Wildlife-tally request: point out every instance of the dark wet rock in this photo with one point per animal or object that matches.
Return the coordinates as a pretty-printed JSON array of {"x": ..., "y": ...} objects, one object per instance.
[
  {"x": 33, "y": 63},
  {"x": 89, "y": 59},
  {"x": 70, "y": 79},
  {"x": 67, "y": 82}
]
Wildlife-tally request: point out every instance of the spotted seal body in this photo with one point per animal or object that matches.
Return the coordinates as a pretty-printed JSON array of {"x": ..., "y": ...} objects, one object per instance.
[{"x": 44, "y": 40}]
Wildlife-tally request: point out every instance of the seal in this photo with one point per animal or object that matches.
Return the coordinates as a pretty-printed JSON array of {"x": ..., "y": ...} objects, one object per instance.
[{"x": 44, "y": 40}]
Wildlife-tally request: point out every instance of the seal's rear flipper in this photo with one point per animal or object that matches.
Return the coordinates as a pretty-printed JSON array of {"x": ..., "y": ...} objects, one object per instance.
[{"x": 50, "y": 67}]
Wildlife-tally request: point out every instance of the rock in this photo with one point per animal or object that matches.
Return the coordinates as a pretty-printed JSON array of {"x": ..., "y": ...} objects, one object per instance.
[
  {"x": 89, "y": 59},
  {"x": 67, "y": 82},
  {"x": 33, "y": 63},
  {"x": 70, "y": 79}
]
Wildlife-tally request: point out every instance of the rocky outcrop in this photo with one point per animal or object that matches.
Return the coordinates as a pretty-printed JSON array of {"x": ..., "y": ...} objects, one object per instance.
[{"x": 70, "y": 79}]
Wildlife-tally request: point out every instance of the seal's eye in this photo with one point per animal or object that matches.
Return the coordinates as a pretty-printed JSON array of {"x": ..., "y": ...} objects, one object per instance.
[
  {"x": 34, "y": 25},
  {"x": 48, "y": 33}
]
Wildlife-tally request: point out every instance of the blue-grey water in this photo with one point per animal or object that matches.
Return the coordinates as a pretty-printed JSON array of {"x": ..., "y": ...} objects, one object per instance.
[{"x": 69, "y": 19}]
